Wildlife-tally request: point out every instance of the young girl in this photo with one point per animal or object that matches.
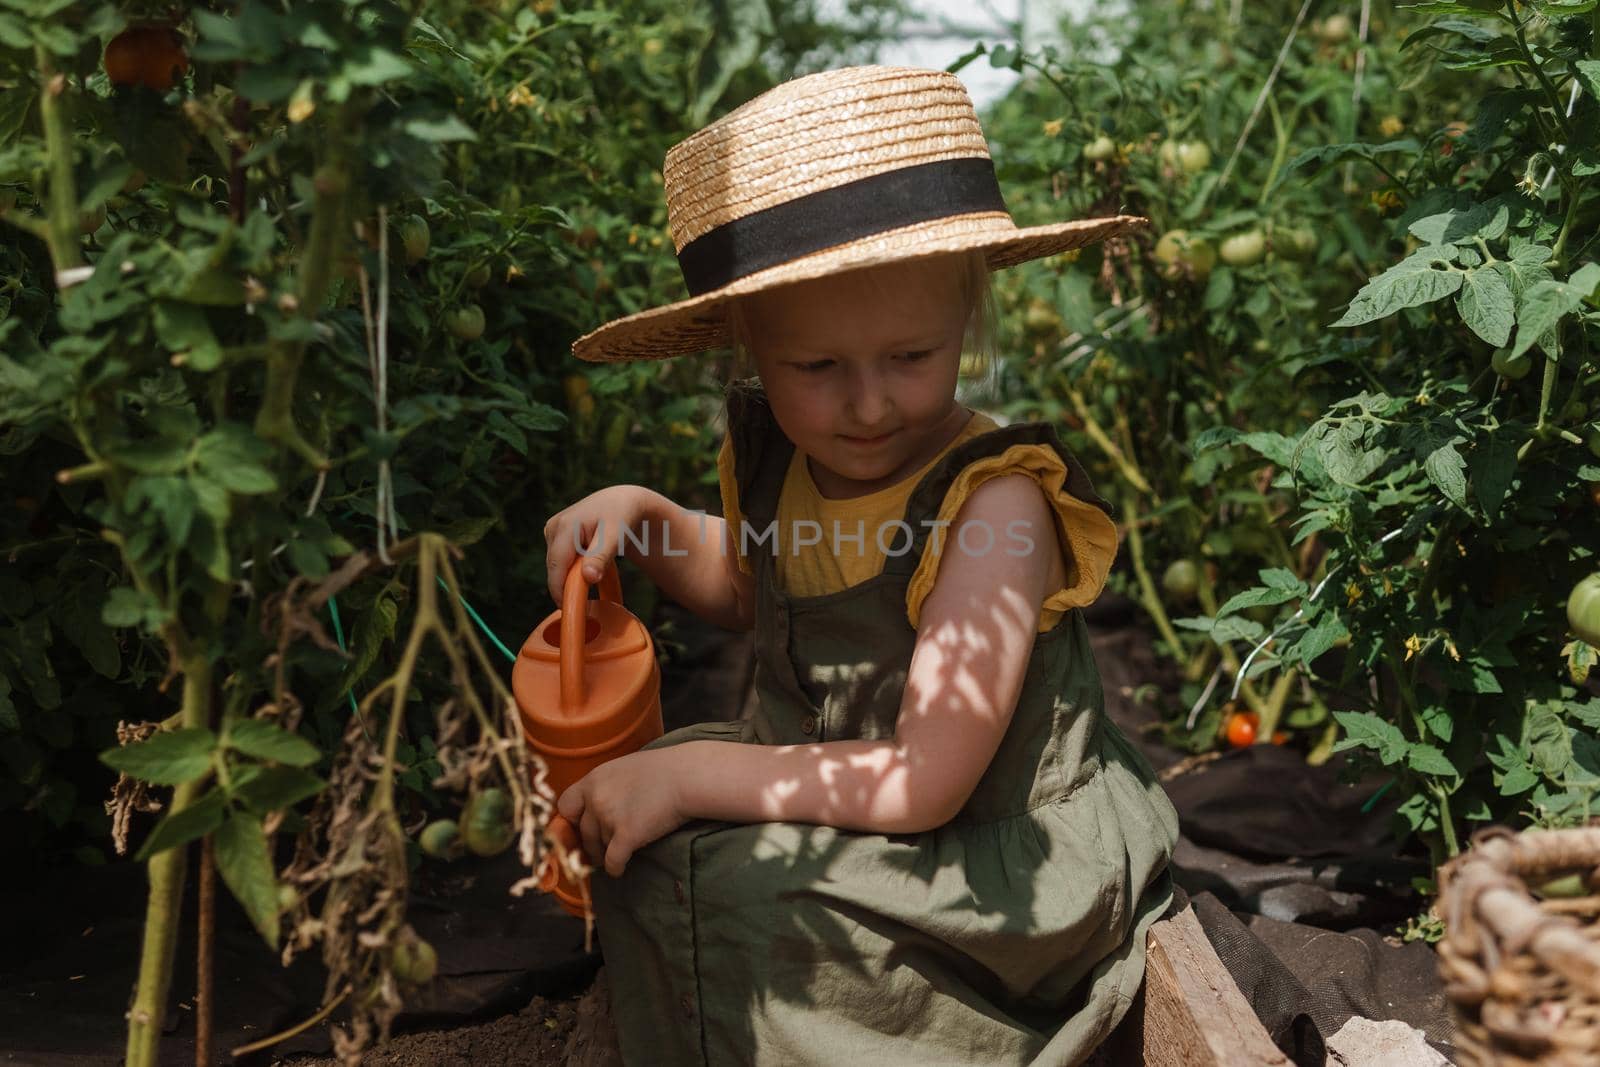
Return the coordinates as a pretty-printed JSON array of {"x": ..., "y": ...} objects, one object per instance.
[{"x": 924, "y": 843}]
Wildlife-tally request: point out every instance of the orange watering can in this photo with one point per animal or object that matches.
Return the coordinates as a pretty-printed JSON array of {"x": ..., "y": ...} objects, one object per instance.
[{"x": 589, "y": 689}]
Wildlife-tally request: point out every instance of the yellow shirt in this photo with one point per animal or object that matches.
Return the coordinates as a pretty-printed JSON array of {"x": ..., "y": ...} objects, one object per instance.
[{"x": 838, "y": 559}]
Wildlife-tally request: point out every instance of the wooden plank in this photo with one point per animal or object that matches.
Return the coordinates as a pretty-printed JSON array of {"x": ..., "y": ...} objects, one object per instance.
[{"x": 1194, "y": 1015}]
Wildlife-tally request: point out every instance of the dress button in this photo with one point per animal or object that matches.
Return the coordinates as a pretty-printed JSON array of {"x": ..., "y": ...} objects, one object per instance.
[
  {"x": 808, "y": 725},
  {"x": 677, "y": 890}
]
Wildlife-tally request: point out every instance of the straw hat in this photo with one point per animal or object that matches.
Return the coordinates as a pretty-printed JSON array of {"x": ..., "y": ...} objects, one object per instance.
[{"x": 831, "y": 172}]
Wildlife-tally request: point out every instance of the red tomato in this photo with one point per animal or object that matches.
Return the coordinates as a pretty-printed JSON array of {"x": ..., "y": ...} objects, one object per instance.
[
  {"x": 151, "y": 56},
  {"x": 1242, "y": 729}
]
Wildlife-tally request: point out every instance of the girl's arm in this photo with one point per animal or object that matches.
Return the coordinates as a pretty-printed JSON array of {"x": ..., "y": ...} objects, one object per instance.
[
  {"x": 706, "y": 578},
  {"x": 687, "y": 554},
  {"x": 977, "y": 630}
]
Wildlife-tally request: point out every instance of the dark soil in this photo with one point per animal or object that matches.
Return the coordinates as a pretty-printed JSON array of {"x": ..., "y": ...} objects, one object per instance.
[{"x": 536, "y": 1035}]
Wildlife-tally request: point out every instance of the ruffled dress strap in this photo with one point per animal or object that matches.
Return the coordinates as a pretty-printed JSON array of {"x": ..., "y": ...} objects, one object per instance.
[{"x": 1084, "y": 525}]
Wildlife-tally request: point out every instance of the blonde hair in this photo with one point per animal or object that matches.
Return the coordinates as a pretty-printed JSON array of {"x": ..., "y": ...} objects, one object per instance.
[{"x": 979, "y": 347}]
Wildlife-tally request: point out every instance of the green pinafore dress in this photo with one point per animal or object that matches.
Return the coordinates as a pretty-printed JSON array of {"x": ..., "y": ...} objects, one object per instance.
[{"x": 1014, "y": 934}]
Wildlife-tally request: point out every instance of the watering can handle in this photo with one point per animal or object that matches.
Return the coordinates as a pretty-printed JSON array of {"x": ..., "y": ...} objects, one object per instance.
[
  {"x": 562, "y": 830},
  {"x": 574, "y": 626}
]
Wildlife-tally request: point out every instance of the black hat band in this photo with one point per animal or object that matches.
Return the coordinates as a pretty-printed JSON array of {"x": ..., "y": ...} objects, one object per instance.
[{"x": 837, "y": 216}]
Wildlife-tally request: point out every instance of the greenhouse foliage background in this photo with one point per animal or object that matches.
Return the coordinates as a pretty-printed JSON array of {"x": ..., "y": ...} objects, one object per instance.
[{"x": 287, "y": 292}]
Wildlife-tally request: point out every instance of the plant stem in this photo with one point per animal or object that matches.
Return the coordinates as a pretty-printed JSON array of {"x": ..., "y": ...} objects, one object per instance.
[
  {"x": 1281, "y": 152},
  {"x": 1560, "y": 248},
  {"x": 275, "y": 420},
  {"x": 1230, "y": 659},
  {"x": 62, "y": 212},
  {"x": 1129, "y": 471},
  {"x": 205, "y": 932},
  {"x": 1148, "y": 596},
  {"x": 1547, "y": 388},
  {"x": 166, "y": 893},
  {"x": 1447, "y": 823},
  {"x": 1272, "y": 710},
  {"x": 1544, "y": 81}
]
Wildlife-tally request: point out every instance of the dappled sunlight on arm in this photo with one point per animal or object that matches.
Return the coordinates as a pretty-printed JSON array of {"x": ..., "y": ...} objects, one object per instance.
[{"x": 978, "y": 628}]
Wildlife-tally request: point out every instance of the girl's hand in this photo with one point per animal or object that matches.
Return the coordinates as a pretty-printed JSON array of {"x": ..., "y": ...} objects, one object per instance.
[
  {"x": 604, "y": 513},
  {"x": 623, "y": 805}
]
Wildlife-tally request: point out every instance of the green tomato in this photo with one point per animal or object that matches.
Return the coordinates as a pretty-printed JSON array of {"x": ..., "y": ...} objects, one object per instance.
[
  {"x": 1295, "y": 245},
  {"x": 465, "y": 322},
  {"x": 414, "y": 961},
  {"x": 1243, "y": 249},
  {"x": 1510, "y": 368},
  {"x": 1334, "y": 30},
  {"x": 415, "y": 237},
  {"x": 1181, "y": 580},
  {"x": 1194, "y": 156},
  {"x": 441, "y": 839},
  {"x": 478, "y": 276},
  {"x": 1178, "y": 253},
  {"x": 1041, "y": 317},
  {"x": 1583, "y": 610},
  {"x": 1101, "y": 147},
  {"x": 1591, "y": 438},
  {"x": 486, "y": 823}
]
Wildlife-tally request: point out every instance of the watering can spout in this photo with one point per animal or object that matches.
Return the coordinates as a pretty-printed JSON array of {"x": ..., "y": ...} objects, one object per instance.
[{"x": 588, "y": 690}]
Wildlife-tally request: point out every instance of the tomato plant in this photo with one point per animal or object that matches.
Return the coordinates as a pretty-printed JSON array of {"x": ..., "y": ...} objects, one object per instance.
[
  {"x": 1353, "y": 441},
  {"x": 229, "y": 420}
]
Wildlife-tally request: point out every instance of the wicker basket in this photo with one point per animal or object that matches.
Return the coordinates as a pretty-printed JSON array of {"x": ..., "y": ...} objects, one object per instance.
[{"x": 1522, "y": 970}]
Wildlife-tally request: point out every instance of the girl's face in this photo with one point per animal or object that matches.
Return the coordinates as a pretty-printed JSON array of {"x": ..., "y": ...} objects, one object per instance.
[{"x": 861, "y": 372}]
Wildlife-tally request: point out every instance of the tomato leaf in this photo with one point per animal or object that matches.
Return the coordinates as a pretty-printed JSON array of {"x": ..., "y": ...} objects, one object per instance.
[
  {"x": 1548, "y": 744},
  {"x": 198, "y": 819},
  {"x": 265, "y": 740},
  {"x": 236, "y": 459},
  {"x": 1420, "y": 278},
  {"x": 184, "y": 328},
  {"x": 1487, "y": 306},
  {"x": 1363, "y": 729},
  {"x": 1447, "y": 471},
  {"x": 1323, "y": 635},
  {"x": 1347, "y": 448},
  {"x": 1426, "y": 759},
  {"x": 1541, "y": 308},
  {"x": 1485, "y": 221},
  {"x": 1493, "y": 467},
  {"x": 1518, "y": 779},
  {"x": 264, "y": 789},
  {"x": 169, "y": 758},
  {"x": 246, "y": 867}
]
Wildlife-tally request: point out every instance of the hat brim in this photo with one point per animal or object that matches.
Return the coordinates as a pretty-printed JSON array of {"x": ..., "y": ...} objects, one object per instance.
[{"x": 698, "y": 323}]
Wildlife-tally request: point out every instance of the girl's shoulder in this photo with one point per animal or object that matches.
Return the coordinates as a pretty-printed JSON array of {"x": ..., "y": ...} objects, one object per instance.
[{"x": 1083, "y": 531}]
